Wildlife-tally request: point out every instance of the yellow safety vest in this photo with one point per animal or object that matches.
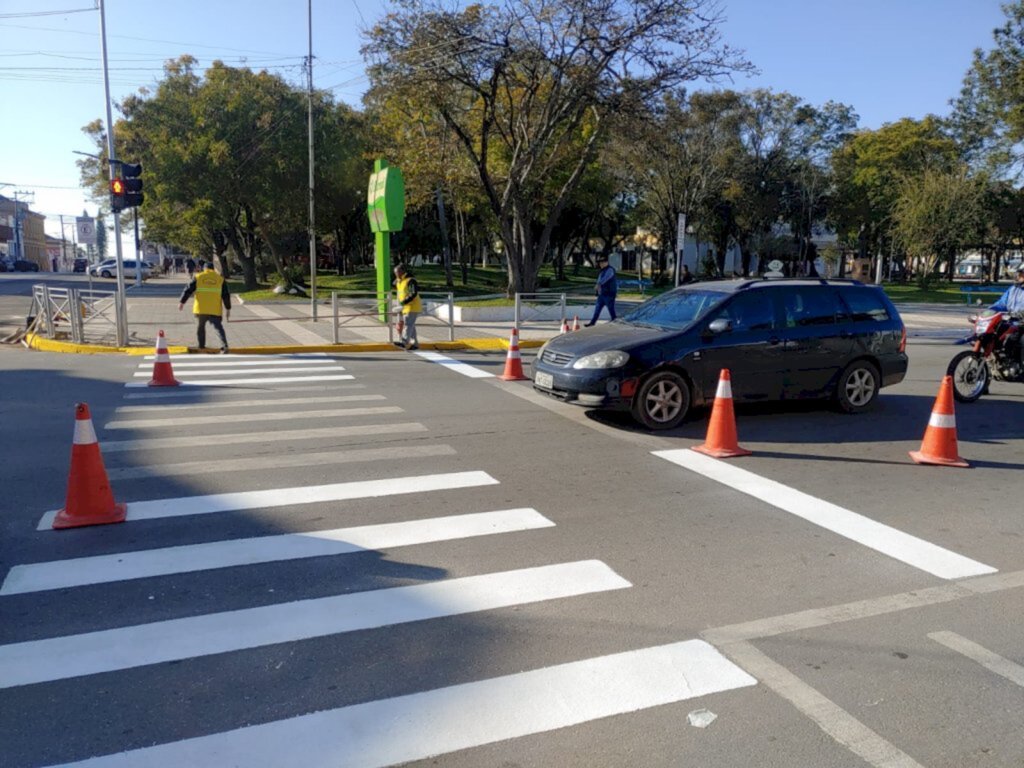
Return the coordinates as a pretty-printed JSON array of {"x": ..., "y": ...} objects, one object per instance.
[
  {"x": 208, "y": 289},
  {"x": 403, "y": 292}
]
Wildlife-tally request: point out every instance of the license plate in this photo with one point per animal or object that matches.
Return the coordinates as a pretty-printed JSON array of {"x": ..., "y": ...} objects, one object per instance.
[{"x": 545, "y": 380}]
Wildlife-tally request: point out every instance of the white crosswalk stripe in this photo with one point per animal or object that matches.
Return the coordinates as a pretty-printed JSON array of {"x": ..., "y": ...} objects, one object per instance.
[
  {"x": 221, "y": 404},
  {"x": 246, "y": 371},
  {"x": 236, "y": 382},
  {"x": 228, "y": 362},
  {"x": 242, "y": 418},
  {"x": 226, "y": 396}
]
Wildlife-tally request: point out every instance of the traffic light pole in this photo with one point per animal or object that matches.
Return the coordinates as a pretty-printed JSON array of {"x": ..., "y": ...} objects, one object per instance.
[{"x": 120, "y": 305}]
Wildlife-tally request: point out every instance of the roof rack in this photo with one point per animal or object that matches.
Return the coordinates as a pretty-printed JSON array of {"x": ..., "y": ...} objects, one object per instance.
[{"x": 820, "y": 280}]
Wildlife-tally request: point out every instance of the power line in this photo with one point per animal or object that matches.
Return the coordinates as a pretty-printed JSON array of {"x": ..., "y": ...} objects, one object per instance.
[{"x": 29, "y": 14}]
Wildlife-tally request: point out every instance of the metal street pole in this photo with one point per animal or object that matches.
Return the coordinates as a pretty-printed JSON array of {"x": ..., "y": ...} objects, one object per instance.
[
  {"x": 312, "y": 206},
  {"x": 138, "y": 254},
  {"x": 121, "y": 306}
]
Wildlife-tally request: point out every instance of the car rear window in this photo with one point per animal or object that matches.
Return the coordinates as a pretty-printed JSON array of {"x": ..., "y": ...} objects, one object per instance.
[
  {"x": 866, "y": 305},
  {"x": 676, "y": 309}
]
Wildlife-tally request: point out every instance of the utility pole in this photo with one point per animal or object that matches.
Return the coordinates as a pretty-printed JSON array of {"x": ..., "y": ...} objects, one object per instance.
[
  {"x": 121, "y": 305},
  {"x": 312, "y": 205}
]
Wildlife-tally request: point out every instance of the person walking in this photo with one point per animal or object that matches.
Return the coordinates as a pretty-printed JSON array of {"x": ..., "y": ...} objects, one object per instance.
[
  {"x": 685, "y": 277},
  {"x": 412, "y": 305},
  {"x": 190, "y": 267},
  {"x": 606, "y": 289},
  {"x": 211, "y": 292}
]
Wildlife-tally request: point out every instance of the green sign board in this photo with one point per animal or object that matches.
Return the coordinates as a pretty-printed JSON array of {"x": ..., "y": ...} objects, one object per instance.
[{"x": 385, "y": 199}]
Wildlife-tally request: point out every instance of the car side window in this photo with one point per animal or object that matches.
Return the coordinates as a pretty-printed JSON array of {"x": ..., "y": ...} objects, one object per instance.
[
  {"x": 807, "y": 306},
  {"x": 751, "y": 311},
  {"x": 866, "y": 306}
]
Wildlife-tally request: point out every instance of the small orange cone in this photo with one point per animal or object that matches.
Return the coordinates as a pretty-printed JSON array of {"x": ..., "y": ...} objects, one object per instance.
[
  {"x": 513, "y": 362},
  {"x": 575, "y": 322},
  {"x": 939, "y": 444},
  {"x": 90, "y": 500},
  {"x": 565, "y": 325},
  {"x": 163, "y": 375},
  {"x": 721, "y": 441}
]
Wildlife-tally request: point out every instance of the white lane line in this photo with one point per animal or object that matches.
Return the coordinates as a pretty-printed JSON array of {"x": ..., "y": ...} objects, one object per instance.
[
  {"x": 236, "y": 382},
  {"x": 226, "y": 396},
  {"x": 221, "y": 404},
  {"x": 303, "y": 494},
  {"x": 232, "y": 356},
  {"x": 227, "y": 362},
  {"x": 116, "y": 446},
  {"x": 882, "y": 538},
  {"x": 248, "y": 371},
  {"x": 232, "y": 418},
  {"x": 829, "y": 716},
  {"x": 144, "y": 564},
  {"x": 431, "y": 723},
  {"x": 455, "y": 365},
  {"x": 280, "y": 461},
  {"x": 58, "y": 658},
  {"x": 993, "y": 662}
]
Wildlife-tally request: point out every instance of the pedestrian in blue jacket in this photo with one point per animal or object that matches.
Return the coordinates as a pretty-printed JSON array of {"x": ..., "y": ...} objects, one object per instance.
[
  {"x": 606, "y": 289},
  {"x": 1013, "y": 299}
]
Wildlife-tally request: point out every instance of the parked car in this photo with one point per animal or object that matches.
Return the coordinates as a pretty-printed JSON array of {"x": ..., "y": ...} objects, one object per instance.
[
  {"x": 108, "y": 268},
  {"x": 22, "y": 265},
  {"x": 3, "y": 265},
  {"x": 80, "y": 265},
  {"x": 780, "y": 339}
]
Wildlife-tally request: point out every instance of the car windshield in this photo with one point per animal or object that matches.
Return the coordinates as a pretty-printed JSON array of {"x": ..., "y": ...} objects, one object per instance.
[{"x": 676, "y": 309}]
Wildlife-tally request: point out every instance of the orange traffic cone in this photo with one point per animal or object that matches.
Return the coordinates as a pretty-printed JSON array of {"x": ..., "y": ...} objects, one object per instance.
[
  {"x": 163, "y": 375},
  {"x": 513, "y": 362},
  {"x": 575, "y": 322},
  {"x": 939, "y": 444},
  {"x": 565, "y": 325},
  {"x": 90, "y": 500},
  {"x": 721, "y": 441}
]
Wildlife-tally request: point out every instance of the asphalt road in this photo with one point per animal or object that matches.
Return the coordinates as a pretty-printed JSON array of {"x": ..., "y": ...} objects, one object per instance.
[{"x": 627, "y": 590}]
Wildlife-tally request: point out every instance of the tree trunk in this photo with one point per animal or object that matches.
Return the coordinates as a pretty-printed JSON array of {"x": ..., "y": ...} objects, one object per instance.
[{"x": 446, "y": 247}]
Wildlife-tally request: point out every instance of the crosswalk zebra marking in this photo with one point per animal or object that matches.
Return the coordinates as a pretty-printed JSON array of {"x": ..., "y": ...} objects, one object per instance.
[
  {"x": 259, "y": 380},
  {"x": 423, "y": 725},
  {"x": 286, "y": 497},
  {"x": 221, "y": 404},
  {"x": 59, "y": 658},
  {"x": 233, "y": 418},
  {"x": 454, "y": 365},
  {"x": 226, "y": 396},
  {"x": 125, "y": 566},
  {"x": 247, "y": 371},
  {"x": 227, "y": 362},
  {"x": 280, "y": 461},
  {"x": 233, "y": 356}
]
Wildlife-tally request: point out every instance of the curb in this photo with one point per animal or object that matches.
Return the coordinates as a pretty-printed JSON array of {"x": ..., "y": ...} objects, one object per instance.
[{"x": 481, "y": 345}]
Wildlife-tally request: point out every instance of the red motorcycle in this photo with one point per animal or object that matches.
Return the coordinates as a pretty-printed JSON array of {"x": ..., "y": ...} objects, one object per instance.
[{"x": 995, "y": 354}]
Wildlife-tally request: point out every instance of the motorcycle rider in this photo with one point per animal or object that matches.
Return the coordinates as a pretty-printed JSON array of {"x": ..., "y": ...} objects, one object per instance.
[{"x": 1013, "y": 300}]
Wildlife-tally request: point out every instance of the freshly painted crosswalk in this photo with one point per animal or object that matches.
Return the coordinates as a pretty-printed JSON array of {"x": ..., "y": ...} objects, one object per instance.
[
  {"x": 274, "y": 402},
  {"x": 193, "y": 373},
  {"x": 243, "y": 418},
  {"x": 257, "y": 380},
  {"x": 454, "y": 365},
  {"x": 228, "y": 395}
]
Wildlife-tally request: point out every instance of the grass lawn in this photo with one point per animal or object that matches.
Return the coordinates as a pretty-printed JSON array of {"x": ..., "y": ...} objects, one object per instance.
[{"x": 941, "y": 293}]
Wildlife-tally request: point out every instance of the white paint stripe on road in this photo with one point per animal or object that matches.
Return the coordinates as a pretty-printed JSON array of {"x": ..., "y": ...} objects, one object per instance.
[
  {"x": 882, "y": 538},
  {"x": 993, "y": 662},
  {"x": 91, "y": 653},
  {"x": 232, "y": 356},
  {"x": 148, "y": 443},
  {"x": 249, "y": 371},
  {"x": 288, "y": 327},
  {"x": 455, "y": 365},
  {"x": 225, "y": 395},
  {"x": 829, "y": 716},
  {"x": 303, "y": 494},
  {"x": 258, "y": 419},
  {"x": 432, "y": 723},
  {"x": 236, "y": 382},
  {"x": 280, "y": 461},
  {"x": 225, "y": 361},
  {"x": 221, "y": 404},
  {"x": 125, "y": 566}
]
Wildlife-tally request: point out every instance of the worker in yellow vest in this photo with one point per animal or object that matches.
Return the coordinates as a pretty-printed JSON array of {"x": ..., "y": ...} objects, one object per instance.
[
  {"x": 409, "y": 299},
  {"x": 211, "y": 292}
]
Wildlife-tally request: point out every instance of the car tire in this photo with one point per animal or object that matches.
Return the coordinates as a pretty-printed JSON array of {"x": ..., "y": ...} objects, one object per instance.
[
  {"x": 105, "y": 273},
  {"x": 662, "y": 401},
  {"x": 858, "y": 387}
]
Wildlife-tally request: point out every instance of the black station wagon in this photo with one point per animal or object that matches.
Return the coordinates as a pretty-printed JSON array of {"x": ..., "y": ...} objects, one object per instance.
[{"x": 780, "y": 340}]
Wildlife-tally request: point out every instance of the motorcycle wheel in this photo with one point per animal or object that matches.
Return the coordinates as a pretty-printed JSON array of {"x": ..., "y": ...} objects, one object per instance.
[{"x": 970, "y": 376}]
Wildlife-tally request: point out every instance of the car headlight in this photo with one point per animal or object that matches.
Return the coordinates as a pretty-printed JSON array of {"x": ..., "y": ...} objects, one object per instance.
[{"x": 613, "y": 358}]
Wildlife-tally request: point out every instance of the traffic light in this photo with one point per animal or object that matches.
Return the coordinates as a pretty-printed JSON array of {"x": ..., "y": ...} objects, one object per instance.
[
  {"x": 116, "y": 195},
  {"x": 132, "y": 184}
]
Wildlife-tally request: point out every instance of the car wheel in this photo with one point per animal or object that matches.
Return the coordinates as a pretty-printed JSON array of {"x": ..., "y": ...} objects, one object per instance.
[
  {"x": 105, "y": 273},
  {"x": 858, "y": 387},
  {"x": 662, "y": 401}
]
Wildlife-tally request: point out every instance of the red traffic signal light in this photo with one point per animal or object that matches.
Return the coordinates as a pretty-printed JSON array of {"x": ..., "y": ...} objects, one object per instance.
[{"x": 116, "y": 194}]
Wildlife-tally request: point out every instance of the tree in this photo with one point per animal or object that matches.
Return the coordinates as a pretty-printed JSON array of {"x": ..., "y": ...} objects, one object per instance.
[{"x": 528, "y": 88}]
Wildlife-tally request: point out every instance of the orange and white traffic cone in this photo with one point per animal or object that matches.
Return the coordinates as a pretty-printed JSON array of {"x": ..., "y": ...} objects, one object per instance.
[
  {"x": 939, "y": 444},
  {"x": 721, "y": 441},
  {"x": 565, "y": 325},
  {"x": 513, "y": 361},
  {"x": 90, "y": 500},
  {"x": 163, "y": 374},
  {"x": 575, "y": 322}
]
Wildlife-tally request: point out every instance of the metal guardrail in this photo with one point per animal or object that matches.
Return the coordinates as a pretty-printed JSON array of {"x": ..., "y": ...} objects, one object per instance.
[
  {"x": 348, "y": 306},
  {"x": 83, "y": 315}
]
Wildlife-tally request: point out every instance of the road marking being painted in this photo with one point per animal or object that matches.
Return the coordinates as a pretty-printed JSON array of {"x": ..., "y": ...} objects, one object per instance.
[
  {"x": 455, "y": 365},
  {"x": 144, "y": 564},
  {"x": 224, "y": 361},
  {"x": 993, "y": 662},
  {"x": 59, "y": 658},
  {"x": 280, "y": 461},
  {"x": 232, "y": 356},
  {"x": 241, "y": 438},
  {"x": 882, "y": 538},
  {"x": 233, "y": 418},
  {"x": 420, "y": 726},
  {"x": 249, "y": 371},
  {"x": 236, "y": 382},
  {"x": 221, "y": 404},
  {"x": 226, "y": 396},
  {"x": 286, "y": 497}
]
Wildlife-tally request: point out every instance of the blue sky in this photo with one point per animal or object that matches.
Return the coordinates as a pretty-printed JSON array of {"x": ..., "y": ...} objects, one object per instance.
[{"x": 887, "y": 58}]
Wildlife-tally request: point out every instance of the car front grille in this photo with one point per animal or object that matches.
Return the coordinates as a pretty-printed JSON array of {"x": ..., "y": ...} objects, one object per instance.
[{"x": 556, "y": 358}]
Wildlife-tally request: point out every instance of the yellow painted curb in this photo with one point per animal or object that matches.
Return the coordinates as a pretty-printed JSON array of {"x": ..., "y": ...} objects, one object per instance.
[{"x": 42, "y": 344}]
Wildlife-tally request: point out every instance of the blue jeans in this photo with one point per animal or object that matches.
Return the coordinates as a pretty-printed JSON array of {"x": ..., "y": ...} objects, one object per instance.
[{"x": 603, "y": 301}]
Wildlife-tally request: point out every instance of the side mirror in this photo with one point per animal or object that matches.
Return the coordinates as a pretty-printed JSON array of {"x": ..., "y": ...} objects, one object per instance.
[{"x": 721, "y": 325}]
